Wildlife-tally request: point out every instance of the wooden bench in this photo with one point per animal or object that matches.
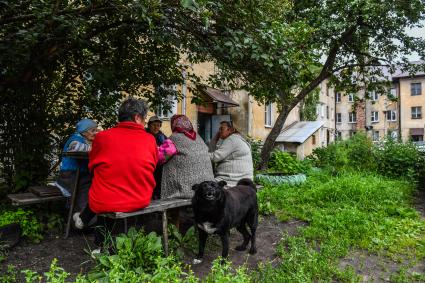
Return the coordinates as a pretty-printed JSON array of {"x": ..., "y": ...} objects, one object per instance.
[
  {"x": 155, "y": 206},
  {"x": 44, "y": 195}
]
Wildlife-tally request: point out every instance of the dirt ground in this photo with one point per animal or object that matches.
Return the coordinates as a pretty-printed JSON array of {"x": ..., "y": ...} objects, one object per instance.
[{"x": 72, "y": 253}]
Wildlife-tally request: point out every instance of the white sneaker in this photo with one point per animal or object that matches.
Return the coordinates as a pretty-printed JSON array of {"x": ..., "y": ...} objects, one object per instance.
[
  {"x": 94, "y": 253},
  {"x": 78, "y": 223}
]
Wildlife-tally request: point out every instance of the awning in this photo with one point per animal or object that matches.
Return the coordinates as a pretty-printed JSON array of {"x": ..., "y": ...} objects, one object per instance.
[
  {"x": 299, "y": 132},
  {"x": 218, "y": 96},
  {"x": 417, "y": 131}
]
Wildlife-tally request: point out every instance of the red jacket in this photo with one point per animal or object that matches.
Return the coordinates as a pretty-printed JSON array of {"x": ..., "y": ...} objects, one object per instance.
[{"x": 122, "y": 161}]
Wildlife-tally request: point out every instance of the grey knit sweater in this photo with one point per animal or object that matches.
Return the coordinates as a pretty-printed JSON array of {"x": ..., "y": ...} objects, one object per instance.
[
  {"x": 233, "y": 160},
  {"x": 190, "y": 166}
]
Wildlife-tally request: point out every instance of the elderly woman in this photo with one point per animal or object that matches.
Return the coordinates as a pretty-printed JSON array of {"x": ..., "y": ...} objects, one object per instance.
[
  {"x": 191, "y": 164},
  {"x": 232, "y": 156},
  {"x": 81, "y": 140}
]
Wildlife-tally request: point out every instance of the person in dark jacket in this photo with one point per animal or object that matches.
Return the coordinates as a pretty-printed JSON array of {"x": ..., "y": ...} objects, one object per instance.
[{"x": 154, "y": 128}]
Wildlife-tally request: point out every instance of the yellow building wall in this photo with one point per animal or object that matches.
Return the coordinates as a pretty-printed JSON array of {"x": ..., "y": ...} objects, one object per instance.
[{"x": 407, "y": 101}]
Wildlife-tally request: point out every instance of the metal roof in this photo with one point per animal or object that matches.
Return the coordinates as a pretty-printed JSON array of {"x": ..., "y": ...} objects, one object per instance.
[
  {"x": 300, "y": 131},
  {"x": 219, "y": 96}
]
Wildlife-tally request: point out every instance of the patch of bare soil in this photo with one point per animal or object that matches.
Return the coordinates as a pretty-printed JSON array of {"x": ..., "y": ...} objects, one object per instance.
[
  {"x": 72, "y": 256},
  {"x": 375, "y": 268},
  {"x": 269, "y": 234}
]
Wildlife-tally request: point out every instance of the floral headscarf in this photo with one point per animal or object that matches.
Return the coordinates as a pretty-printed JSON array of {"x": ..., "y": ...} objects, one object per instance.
[{"x": 182, "y": 124}]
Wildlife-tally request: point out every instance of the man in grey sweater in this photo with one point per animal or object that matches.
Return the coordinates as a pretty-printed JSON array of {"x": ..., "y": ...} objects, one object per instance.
[{"x": 232, "y": 156}]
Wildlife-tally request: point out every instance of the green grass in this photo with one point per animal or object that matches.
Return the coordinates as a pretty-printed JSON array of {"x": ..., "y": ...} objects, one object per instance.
[{"x": 351, "y": 211}]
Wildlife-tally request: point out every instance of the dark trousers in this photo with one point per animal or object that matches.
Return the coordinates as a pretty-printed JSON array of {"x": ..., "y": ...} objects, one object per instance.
[{"x": 103, "y": 229}]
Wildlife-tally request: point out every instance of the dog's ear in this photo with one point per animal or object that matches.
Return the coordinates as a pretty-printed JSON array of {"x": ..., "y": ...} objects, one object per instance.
[
  {"x": 222, "y": 183},
  {"x": 195, "y": 187}
]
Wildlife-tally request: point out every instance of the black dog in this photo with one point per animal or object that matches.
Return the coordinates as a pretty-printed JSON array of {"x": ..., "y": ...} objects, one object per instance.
[{"x": 217, "y": 210}]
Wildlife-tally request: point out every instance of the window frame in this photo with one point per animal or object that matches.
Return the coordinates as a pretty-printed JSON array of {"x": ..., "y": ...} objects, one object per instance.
[
  {"x": 374, "y": 119},
  {"x": 351, "y": 97},
  {"x": 416, "y": 116},
  {"x": 391, "y": 119},
  {"x": 268, "y": 115},
  {"x": 413, "y": 92},
  {"x": 338, "y": 121},
  {"x": 350, "y": 116},
  {"x": 338, "y": 97}
]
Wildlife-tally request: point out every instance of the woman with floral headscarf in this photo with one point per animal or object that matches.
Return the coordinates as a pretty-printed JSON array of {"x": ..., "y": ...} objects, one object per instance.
[{"x": 191, "y": 164}]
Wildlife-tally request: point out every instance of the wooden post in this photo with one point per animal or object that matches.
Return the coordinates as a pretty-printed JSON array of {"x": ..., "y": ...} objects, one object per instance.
[
  {"x": 73, "y": 197},
  {"x": 165, "y": 231}
]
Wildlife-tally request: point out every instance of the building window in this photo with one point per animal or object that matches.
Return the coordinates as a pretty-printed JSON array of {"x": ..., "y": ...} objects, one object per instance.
[
  {"x": 375, "y": 135},
  {"x": 391, "y": 115},
  {"x": 313, "y": 139},
  {"x": 169, "y": 105},
  {"x": 338, "y": 97},
  {"x": 352, "y": 133},
  {"x": 415, "y": 89},
  {"x": 338, "y": 135},
  {"x": 374, "y": 116},
  {"x": 327, "y": 112},
  {"x": 393, "y": 92},
  {"x": 350, "y": 97},
  {"x": 338, "y": 118},
  {"x": 417, "y": 112},
  {"x": 352, "y": 117},
  {"x": 417, "y": 138},
  {"x": 268, "y": 115},
  {"x": 373, "y": 95}
]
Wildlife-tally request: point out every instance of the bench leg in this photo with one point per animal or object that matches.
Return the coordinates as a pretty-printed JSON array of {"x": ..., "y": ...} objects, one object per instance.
[
  {"x": 165, "y": 231},
  {"x": 125, "y": 226},
  {"x": 71, "y": 207}
]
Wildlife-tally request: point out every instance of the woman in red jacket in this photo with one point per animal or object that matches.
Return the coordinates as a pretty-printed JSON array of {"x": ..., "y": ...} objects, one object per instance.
[{"x": 122, "y": 161}]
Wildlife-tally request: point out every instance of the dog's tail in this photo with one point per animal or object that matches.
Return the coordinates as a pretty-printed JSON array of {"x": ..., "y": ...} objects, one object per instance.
[{"x": 247, "y": 182}]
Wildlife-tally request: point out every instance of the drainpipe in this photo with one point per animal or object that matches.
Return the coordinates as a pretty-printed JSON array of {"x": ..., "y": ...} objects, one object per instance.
[
  {"x": 249, "y": 124},
  {"x": 184, "y": 91},
  {"x": 400, "y": 138}
]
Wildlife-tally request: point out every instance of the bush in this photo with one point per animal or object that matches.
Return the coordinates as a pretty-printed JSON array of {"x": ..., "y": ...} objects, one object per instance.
[
  {"x": 255, "y": 150},
  {"x": 286, "y": 163},
  {"x": 355, "y": 154},
  {"x": 30, "y": 226},
  {"x": 395, "y": 159}
]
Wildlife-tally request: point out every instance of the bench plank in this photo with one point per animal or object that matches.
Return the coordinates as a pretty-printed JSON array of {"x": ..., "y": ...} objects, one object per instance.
[
  {"x": 155, "y": 206},
  {"x": 30, "y": 198}
]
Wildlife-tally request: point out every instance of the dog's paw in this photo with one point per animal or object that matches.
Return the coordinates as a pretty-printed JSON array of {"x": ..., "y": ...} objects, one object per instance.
[
  {"x": 240, "y": 248},
  {"x": 252, "y": 251},
  {"x": 197, "y": 261}
]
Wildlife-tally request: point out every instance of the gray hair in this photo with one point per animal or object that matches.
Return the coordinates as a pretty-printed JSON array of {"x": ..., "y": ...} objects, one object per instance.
[{"x": 130, "y": 108}]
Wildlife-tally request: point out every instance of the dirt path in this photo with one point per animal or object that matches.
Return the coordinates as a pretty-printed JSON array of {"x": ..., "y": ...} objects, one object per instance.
[{"x": 72, "y": 256}]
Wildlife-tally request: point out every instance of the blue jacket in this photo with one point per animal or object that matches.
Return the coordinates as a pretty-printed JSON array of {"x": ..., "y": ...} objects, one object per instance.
[{"x": 71, "y": 164}]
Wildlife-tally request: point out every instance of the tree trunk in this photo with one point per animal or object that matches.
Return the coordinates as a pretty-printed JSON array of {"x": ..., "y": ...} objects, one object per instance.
[{"x": 271, "y": 138}]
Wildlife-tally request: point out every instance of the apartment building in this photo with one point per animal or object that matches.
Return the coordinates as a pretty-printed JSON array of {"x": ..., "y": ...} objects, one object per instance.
[{"x": 397, "y": 113}]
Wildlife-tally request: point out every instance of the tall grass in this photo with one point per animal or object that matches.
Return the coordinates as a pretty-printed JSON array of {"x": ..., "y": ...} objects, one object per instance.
[{"x": 349, "y": 211}]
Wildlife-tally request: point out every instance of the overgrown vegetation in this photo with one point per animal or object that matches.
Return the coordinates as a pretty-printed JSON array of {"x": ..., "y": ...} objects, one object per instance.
[
  {"x": 30, "y": 226},
  {"x": 390, "y": 158},
  {"x": 350, "y": 211}
]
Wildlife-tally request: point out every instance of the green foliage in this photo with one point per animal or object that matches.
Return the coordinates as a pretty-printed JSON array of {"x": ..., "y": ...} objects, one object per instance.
[
  {"x": 286, "y": 163},
  {"x": 139, "y": 258},
  {"x": 358, "y": 154},
  {"x": 30, "y": 226},
  {"x": 308, "y": 107},
  {"x": 396, "y": 159},
  {"x": 178, "y": 242},
  {"x": 256, "y": 145},
  {"x": 10, "y": 275},
  {"x": 350, "y": 211},
  {"x": 222, "y": 271}
]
